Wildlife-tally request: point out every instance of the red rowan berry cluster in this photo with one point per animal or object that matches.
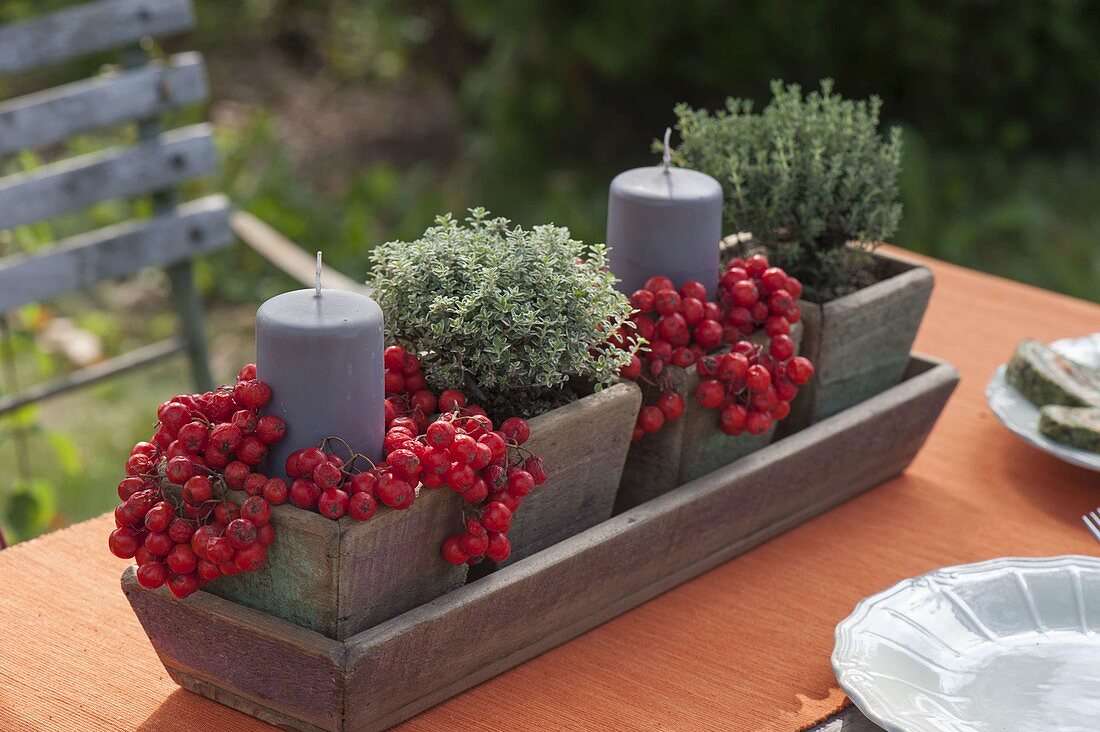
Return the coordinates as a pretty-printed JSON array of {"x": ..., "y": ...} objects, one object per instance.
[
  {"x": 752, "y": 384},
  {"x": 175, "y": 519}
]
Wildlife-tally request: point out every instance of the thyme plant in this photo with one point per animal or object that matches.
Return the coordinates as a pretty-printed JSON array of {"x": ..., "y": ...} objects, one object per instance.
[
  {"x": 515, "y": 317},
  {"x": 807, "y": 176}
]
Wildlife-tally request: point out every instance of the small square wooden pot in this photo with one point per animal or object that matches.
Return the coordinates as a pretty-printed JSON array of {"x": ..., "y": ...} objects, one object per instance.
[
  {"x": 583, "y": 446},
  {"x": 859, "y": 344},
  {"x": 685, "y": 448},
  {"x": 341, "y": 577}
]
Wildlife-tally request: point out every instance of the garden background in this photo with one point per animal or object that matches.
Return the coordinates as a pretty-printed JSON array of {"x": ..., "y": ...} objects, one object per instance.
[{"x": 346, "y": 123}]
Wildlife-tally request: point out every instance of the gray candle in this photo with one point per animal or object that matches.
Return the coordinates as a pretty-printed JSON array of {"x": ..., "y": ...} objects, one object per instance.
[
  {"x": 320, "y": 351},
  {"x": 663, "y": 220}
]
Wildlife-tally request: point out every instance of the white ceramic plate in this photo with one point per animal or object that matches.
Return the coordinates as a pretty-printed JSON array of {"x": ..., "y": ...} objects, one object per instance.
[
  {"x": 1008, "y": 644},
  {"x": 1022, "y": 417}
]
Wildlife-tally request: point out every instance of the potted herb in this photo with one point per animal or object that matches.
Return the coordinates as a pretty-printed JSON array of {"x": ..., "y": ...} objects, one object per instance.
[
  {"x": 816, "y": 183},
  {"x": 521, "y": 321}
]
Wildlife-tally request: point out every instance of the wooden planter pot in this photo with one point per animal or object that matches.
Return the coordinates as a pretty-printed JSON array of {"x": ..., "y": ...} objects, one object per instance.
[
  {"x": 340, "y": 577},
  {"x": 584, "y": 446},
  {"x": 290, "y": 676},
  {"x": 859, "y": 343},
  {"x": 686, "y": 448}
]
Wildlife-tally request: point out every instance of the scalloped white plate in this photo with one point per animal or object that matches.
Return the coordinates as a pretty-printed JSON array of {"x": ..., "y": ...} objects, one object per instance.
[
  {"x": 1008, "y": 644},
  {"x": 1022, "y": 417}
]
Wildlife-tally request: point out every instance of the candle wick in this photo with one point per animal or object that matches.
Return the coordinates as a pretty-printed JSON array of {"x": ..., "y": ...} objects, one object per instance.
[
  {"x": 318, "y": 280},
  {"x": 667, "y": 156}
]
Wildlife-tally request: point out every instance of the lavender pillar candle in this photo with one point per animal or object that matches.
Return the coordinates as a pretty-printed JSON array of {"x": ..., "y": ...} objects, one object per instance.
[
  {"x": 321, "y": 353},
  {"x": 663, "y": 220}
]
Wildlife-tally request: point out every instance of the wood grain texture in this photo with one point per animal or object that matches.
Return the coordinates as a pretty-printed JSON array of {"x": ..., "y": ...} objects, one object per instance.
[
  {"x": 686, "y": 448},
  {"x": 340, "y": 577},
  {"x": 252, "y": 655},
  {"x": 583, "y": 446},
  {"x": 87, "y": 28},
  {"x": 860, "y": 343},
  {"x": 192, "y": 229},
  {"x": 742, "y": 648},
  {"x": 68, "y": 185},
  {"x": 36, "y": 120},
  {"x": 437, "y": 649}
]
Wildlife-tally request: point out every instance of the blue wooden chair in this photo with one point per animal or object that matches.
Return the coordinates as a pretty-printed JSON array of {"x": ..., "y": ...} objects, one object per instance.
[{"x": 139, "y": 91}]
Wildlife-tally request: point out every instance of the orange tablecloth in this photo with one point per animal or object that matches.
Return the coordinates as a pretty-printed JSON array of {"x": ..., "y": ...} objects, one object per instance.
[{"x": 744, "y": 647}]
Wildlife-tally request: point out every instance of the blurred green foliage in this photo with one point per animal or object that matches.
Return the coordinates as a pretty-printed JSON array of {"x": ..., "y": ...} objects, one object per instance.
[{"x": 536, "y": 106}]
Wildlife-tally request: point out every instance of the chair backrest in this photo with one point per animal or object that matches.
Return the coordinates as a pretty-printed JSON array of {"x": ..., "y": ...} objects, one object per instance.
[{"x": 139, "y": 91}]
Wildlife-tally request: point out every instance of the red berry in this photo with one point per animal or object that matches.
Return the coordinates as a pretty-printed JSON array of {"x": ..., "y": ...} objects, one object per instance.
[
  {"x": 257, "y": 510},
  {"x": 394, "y": 357},
  {"x": 138, "y": 465},
  {"x": 452, "y": 551},
  {"x": 152, "y": 575},
  {"x": 326, "y": 475},
  {"x": 794, "y": 287},
  {"x": 197, "y": 489},
  {"x": 275, "y": 491},
  {"x": 693, "y": 310},
  {"x": 219, "y": 549},
  {"x": 193, "y": 436},
  {"x": 270, "y": 429},
  {"x": 173, "y": 415},
  {"x": 250, "y": 558},
  {"x": 394, "y": 382},
  {"x": 440, "y": 433},
  {"x": 254, "y": 483},
  {"x": 694, "y": 289},
  {"x": 235, "y": 474},
  {"x": 656, "y": 283},
  {"x": 520, "y": 483},
  {"x": 773, "y": 279},
  {"x": 671, "y": 405},
  {"x": 265, "y": 535},
  {"x": 123, "y": 542},
  {"x": 800, "y": 370},
  {"x": 780, "y": 411},
  {"x": 534, "y": 466},
  {"x": 252, "y": 451},
  {"x": 474, "y": 545},
  {"x": 708, "y": 334},
  {"x": 160, "y": 517},
  {"x": 781, "y": 347},
  {"x": 182, "y": 559},
  {"x": 757, "y": 378},
  {"x": 451, "y": 399},
  {"x": 477, "y": 492},
  {"x": 131, "y": 485},
  {"x": 666, "y": 302},
  {"x": 304, "y": 493},
  {"x": 425, "y": 401},
  {"x": 362, "y": 506},
  {"x": 253, "y": 394},
  {"x": 226, "y": 511},
  {"x": 180, "y": 531},
  {"x": 644, "y": 326},
  {"x": 332, "y": 503},
  {"x": 394, "y": 492},
  {"x": 247, "y": 372},
  {"x": 758, "y": 422},
  {"x": 777, "y": 325},
  {"x": 310, "y": 458},
  {"x": 651, "y": 419},
  {"x": 244, "y": 420},
  {"x": 732, "y": 367},
  {"x": 710, "y": 393},
  {"x": 414, "y": 383},
  {"x": 364, "y": 482},
  {"x": 208, "y": 570},
  {"x": 505, "y": 498},
  {"x": 201, "y": 539},
  {"x": 633, "y": 369},
  {"x": 499, "y": 547},
  {"x": 732, "y": 420},
  {"x": 496, "y": 517},
  {"x": 214, "y": 457},
  {"x": 459, "y": 477},
  {"x": 642, "y": 301},
  {"x": 158, "y": 544},
  {"x": 670, "y": 326},
  {"x": 516, "y": 429},
  {"x": 463, "y": 449},
  {"x": 744, "y": 293},
  {"x": 182, "y": 585},
  {"x": 756, "y": 265}
]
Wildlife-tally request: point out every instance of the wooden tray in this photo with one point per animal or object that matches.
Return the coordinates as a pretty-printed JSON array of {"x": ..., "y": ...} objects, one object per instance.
[{"x": 285, "y": 674}]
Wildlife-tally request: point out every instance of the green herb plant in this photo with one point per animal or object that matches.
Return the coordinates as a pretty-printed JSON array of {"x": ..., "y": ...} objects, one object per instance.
[
  {"x": 520, "y": 319},
  {"x": 808, "y": 176}
]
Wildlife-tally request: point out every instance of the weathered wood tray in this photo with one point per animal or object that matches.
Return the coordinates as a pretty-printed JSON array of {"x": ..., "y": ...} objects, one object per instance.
[{"x": 287, "y": 675}]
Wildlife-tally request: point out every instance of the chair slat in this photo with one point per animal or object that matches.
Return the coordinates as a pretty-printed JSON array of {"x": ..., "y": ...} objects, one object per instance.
[
  {"x": 89, "y": 28},
  {"x": 92, "y": 374},
  {"x": 50, "y": 116},
  {"x": 76, "y": 183},
  {"x": 73, "y": 264}
]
